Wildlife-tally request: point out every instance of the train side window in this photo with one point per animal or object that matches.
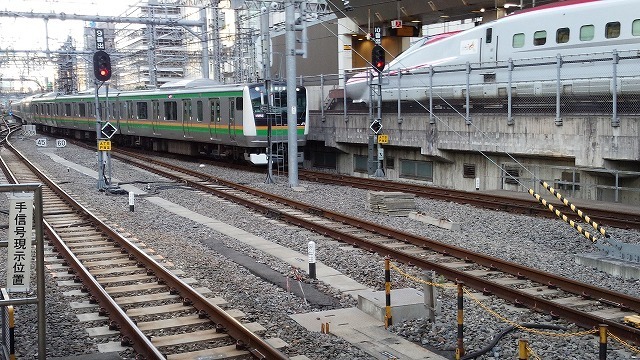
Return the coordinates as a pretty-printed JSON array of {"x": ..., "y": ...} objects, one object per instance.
[
  {"x": 232, "y": 109},
  {"x": 67, "y": 109},
  {"x": 587, "y": 32},
  {"x": 199, "y": 112},
  {"x": 489, "y": 36},
  {"x": 186, "y": 110},
  {"x": 635, "y": 27},
  {"x": 142, "y": 111},
  {"x": 562, "y": 35},
  {"x": 539, "y": 38},
  {"x": 171, "y": 110},
  {"x": 518, "y": 40},
  {"x": 612, "y": 30},
  {"x": 215, "y": 110},
  {"x": 238, "y": 103},
  {"x": 82, "y": 110}
]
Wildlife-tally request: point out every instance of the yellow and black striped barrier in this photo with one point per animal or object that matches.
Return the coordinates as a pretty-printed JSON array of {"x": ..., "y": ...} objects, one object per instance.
[
  {"x": 562, "y": 216},
  {"x": 573, "y": 208}
]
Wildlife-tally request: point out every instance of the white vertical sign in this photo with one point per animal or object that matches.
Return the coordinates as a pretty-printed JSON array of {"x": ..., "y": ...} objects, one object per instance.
[{"x": 19, "y": 242}]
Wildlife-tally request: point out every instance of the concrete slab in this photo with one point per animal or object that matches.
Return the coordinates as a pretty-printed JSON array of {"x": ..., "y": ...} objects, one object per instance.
[
  {"x": 366, "y": 333},
  {"x": 293, "y": 258},
  {"x": 405, "y": 304},
  {"x": 615, "y": 267}
]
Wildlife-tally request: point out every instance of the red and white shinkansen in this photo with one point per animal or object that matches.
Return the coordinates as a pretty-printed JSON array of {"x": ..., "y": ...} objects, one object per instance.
[{"x": 591, "y": 41}]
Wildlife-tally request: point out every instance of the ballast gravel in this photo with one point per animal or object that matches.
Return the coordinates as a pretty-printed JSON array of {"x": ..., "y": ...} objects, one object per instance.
[{"x": 546, "y": 244}]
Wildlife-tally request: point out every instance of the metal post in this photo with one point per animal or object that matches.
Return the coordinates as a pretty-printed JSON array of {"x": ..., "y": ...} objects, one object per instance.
[
  {"x": 460, "y": 342},
  {"x": 344, "y": 95},
  {"x": 379, "y": 172},
  {"x": 205, "y": 43},
  {"x": 388, "y": 321},
  {"x": 322, "y": 115},
  {"x": 41, "y": 291},
  {"x": 431, "y": 117},
  {"x": 266, "y": 73},
  {"x": 602, "y": 349},
  {"x": 100, "y": 183},
  {"x": 558, "y": 89},
  {"x": 399, "y": 94},
  {"x": 292, "y": 112},
  {"x": 468, "y": 117},
  {"x": 617, "y": 174},
  {"x": 509, "y": 95},
  {"x": 615, "y": 121}
]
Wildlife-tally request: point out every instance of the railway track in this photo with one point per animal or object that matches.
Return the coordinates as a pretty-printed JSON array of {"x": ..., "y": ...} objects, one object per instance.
[
  {"x": 629, "y": 220},
  {"x": 528, "y": 206},
  {"x": 583, "y": 304},
  {"x": 156, "y": 313}
]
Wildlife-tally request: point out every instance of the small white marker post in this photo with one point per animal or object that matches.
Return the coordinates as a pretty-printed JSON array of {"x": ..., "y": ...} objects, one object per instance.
[
  {"x": 131, "y": 201},
  {"x": 312, "y": 259}
]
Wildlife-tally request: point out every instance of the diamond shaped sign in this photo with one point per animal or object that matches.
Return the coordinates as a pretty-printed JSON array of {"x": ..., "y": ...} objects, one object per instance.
[
  {"x": 108, "y": 130},
  {"x": 376, "y": 126}
]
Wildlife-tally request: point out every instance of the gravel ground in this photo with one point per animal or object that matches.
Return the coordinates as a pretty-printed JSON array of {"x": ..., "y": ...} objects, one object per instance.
[{"x": 549, "y": 245}]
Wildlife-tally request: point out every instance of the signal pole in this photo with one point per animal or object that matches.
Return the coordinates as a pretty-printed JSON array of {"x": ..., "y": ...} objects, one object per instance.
[
  {"x": 378, "y": 64},
  {"x": 102, "y": 72}
]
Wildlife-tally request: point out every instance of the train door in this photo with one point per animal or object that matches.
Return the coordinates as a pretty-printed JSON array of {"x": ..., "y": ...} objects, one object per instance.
[
  {"x": 232, "y": 122},
  {"x": 129, "y": 116},
  {"x": 214, "y": 123},
  {"x": 187, "y": 118},
  {"x": 155, "y": 117},
  {"x": 489, "y": 50}
]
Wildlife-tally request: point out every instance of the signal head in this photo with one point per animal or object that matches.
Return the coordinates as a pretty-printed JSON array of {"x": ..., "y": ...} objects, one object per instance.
[
  {"x": 101, "y": 66},
  {"x": 377, "y": 58}
]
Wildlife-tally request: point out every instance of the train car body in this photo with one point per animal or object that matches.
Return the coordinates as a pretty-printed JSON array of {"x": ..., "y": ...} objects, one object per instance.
[
  {"x": 570, "y": 44},
  {"x": 227, "y": 121}
]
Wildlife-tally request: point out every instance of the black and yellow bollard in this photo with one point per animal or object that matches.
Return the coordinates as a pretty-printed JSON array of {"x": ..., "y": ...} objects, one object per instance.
[
  {"x": 460, "y": 346},
  {"x": 387, "y": 289},
  {"x": 523, "y": 353},
  {"x": 602, "y": 353}
]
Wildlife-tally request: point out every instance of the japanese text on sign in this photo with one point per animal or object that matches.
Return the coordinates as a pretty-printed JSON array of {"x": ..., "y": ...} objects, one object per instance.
[
  {"x": 19, "y": 242},
  {"x": 99, "y": 39},
  {"x": 104, "y": 145}
]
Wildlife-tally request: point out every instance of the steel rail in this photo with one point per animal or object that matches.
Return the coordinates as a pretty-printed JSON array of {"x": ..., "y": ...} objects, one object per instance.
[
  {"x": 621, "y": 219},
  {"x": 518, "y": 297},
  {"x": 245, "y": 339}
]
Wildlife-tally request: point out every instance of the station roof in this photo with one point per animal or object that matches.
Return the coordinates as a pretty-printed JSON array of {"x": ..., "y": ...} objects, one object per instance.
[{"x": 376, "y": 12}]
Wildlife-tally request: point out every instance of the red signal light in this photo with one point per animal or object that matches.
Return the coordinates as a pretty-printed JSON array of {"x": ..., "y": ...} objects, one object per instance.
[
  {"x": 101, "y": 65},
  {"x": 377, "y": 58}
]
